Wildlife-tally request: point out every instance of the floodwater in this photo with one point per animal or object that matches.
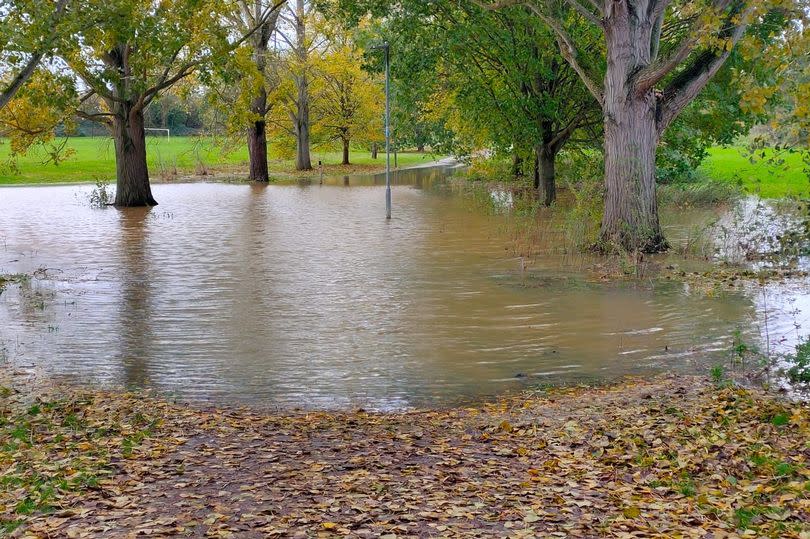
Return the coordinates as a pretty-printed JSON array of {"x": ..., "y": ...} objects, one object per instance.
[{"x": 305, "y": 296}]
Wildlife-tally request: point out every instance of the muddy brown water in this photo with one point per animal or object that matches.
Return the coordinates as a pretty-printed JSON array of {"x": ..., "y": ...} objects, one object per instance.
[{"x": 304, "y": 296}]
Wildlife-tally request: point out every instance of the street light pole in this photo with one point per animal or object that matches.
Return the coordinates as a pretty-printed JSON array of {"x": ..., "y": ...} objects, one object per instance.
[{"x": 387, "y": 132}]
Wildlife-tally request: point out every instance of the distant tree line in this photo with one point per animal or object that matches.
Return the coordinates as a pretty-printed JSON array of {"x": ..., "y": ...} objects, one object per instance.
[{"x": 646, "y": 84}]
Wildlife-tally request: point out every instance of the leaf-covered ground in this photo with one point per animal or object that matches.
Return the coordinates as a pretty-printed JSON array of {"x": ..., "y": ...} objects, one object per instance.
[{"x": 672, "y": 457}]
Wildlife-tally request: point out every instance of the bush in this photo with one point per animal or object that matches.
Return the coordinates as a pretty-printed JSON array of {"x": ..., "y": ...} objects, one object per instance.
[
  {"x": 799, "y": 372},
  {"x": 582, "y": 173}
]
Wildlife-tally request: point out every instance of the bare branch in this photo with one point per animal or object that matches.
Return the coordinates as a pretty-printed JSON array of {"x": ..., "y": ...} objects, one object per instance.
[{"x": 25, "y": 73}]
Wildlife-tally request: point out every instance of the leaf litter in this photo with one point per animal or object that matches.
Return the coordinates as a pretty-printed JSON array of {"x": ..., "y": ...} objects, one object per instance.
[{"x": 667, "y": 457}]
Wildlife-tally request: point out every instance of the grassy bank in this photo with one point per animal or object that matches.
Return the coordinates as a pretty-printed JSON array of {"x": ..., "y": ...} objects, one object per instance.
[
  {"x": 90, "y": 159},
  {"x": 760, "y": 177},
  {"x": 668, "y": 457}
]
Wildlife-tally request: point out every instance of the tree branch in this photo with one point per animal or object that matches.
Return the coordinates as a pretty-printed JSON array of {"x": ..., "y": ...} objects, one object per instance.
[
  {"x": 688, "y": 84},
  {"x": 651, "y": 75},
  {"x": 36, "y": 57},
  {"x": 25, "y": 73},
  {"x": 569, "y": 52},
  {"x": 585, "y": 12}
]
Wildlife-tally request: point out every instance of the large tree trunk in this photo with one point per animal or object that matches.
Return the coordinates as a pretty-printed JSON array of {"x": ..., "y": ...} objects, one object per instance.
[
  {"x": 257, "y": 140},
  {"x": 132, "y": 175},
  {"x": 257, "y": 131},
  {"x": 346, "y": 152},
  {"x": 517, "y": 165},
  {"x": 303, "y": 160},
  {"x": 631, "y": 209},
  {"x": 544, "y": 174},
  {"x": 257, "y": 151},
  {"x": 374, "y": 150},
  {"x": 630, "y": 220}
]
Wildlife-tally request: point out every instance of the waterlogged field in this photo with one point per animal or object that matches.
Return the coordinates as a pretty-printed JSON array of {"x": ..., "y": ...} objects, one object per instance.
[
  {"x": 768, "y": 180},
  {"x": 305, "y": 295},
  {"x": 89, "y": 159}
]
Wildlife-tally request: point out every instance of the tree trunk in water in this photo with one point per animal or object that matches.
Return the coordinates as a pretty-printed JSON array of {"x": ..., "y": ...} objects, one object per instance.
[
  {"x": 631, "y": 208},
  {"x": 303, "y": 160},
  {"x": 257, "y": 131},
  {"x": 374, "y": 150},
  {"x": 346, "y": 152},
  {"x": 257, "y": 151},
  {"x": 517, "y": 165},
  {"x": 630, "y": 220},
  {"x": 544, "y": 174},
  {"x": 132, "y": 175}
]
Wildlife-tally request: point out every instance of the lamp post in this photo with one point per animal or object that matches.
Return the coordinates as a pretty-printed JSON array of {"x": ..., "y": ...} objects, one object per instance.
[{"x": 385, "y": 47}]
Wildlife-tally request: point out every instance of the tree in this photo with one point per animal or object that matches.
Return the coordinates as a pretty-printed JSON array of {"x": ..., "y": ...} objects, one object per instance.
[
  {"x": 658, "y": 55},
  {"x": 495, "y": 79},
  {"x": 129, "y": 53},
  {"x": 29, "y": 30},
  {"x": 261, "y": 15},
  {"x": 510, "y": 83},
  {"x": 295, "y": 98},
  {"x": 349, "y": 100}
]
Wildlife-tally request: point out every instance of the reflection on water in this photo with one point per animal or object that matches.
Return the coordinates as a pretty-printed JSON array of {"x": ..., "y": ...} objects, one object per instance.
[{"x": 305, "y": 296}]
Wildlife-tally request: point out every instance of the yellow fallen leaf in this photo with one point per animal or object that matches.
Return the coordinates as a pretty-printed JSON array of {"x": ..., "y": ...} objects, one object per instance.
[{"x": 631, "y": 511}]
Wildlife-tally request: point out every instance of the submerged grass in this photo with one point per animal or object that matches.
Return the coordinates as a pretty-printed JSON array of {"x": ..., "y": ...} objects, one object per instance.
[{"x": 702, "y": 194}]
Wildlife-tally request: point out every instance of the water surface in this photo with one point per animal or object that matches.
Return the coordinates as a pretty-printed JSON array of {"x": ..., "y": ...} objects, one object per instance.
[{"x": 306, "y": 296}]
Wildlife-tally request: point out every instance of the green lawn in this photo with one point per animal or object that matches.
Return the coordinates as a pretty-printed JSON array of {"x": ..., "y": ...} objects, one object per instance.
[
  {"x": 763, "y": 178},
  {"x": 93, "y": 158}
]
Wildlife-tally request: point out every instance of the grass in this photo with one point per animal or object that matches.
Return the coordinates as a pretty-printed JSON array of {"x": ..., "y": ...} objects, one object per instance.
[
  {"x": 703, "y": 194},
  {"x": 93, "y": 158},
  {"x": 731, "y": 164}
]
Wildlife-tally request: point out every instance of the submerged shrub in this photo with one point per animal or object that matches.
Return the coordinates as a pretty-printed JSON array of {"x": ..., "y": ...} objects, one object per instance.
[
  {"x": 582, "y": 173},
  {"x": 799, "y": 371},
  {"x": 102, "y": 195},
  {"x": 705, "y": 193}
]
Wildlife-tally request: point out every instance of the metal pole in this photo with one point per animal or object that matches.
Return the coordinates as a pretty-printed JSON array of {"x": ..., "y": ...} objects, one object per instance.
[{"x": 387, "y": 134}]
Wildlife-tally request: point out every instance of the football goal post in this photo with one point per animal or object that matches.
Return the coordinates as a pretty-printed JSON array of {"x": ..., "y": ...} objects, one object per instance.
[{"x": 156, "y": 131}]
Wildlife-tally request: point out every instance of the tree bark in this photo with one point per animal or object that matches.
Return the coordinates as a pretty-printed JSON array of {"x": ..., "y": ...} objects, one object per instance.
[
  {"x": 132, "y": 175},
  {"x": 545, "y": 174},
  {"x": 631, "y": 209},
  {"x": 374, "y": 150},
  {"x": 630, "y": 220},
  {"x": 346, "y": 152},
  {"x": 303, "y": 160},
  {"x": 257, "y": 151},
  {"x": 517, "y": 165},
  {"x": 257, "y": 131}
]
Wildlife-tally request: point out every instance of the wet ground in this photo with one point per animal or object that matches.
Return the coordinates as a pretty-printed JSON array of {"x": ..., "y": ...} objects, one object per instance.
[{"x": 304, "y": 295}]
